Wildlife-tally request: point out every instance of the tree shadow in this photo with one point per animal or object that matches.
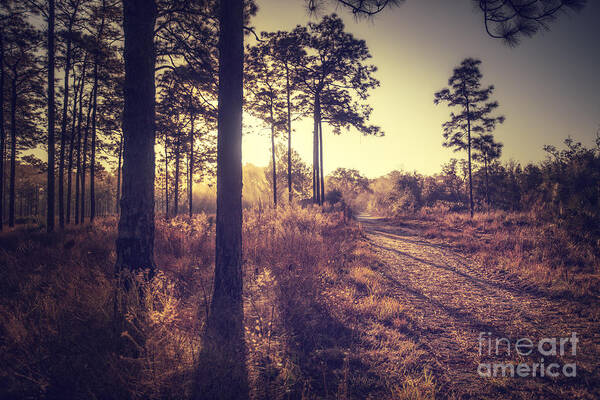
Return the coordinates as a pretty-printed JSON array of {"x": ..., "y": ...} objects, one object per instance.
[
  {"x": 321, "y": 346},
  {"x": 479, "y": 282}
]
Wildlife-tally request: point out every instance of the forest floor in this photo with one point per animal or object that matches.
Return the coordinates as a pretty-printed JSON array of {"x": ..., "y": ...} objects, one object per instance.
[
  {"x": 334, "y": 309},
  {"x": 452, "y": 299}
]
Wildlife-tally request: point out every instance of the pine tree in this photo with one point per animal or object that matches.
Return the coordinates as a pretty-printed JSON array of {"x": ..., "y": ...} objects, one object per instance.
[
  {"x": 135, "y": 240},
  {"x": 511, "y": 20},
  {"x": 333, "y": 75},
  {"x": 474, "y": 115}
]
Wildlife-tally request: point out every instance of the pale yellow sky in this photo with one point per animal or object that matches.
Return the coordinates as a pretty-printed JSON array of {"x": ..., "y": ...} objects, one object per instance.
[{"x": 546, "y": 87}]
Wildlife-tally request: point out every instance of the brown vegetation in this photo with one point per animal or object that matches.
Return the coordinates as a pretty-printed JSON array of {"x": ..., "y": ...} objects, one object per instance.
[
  {"x": 318, "y": 322},
  {"x": 520, "y": 243}
]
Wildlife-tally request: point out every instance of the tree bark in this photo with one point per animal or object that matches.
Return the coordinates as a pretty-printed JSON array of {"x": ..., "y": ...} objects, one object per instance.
[
  {"x": 50, "y": 190},
  {"x": 487, "y": 185},
  {"x": 13, "y": 151},
  {"x": 273, "y": 157},
  {"x": 117, "y": 208},
  {"x": 94, "y": 121},
  {"x": 223, "y": 372},
  {"x": 93, "y": 146},
  {"x": 289, "y": 128},
  {"x": 135, "y": 240},
  {"x": 469, "y": 154},
  {"x": 63, "y": 134},
  {"x": 78, "y": 174},
  {"x": 191, "y": 169},
  {"x": 322, "y": 197},
  {"x": 316, "y": 164},
  {"x": 166, "y": 181},
  {"x": 176, "y": 191},
  {"x": 72, "y": 145},
  {"x": 84, "y": 156},
  {"x": 2, "y": 132}
]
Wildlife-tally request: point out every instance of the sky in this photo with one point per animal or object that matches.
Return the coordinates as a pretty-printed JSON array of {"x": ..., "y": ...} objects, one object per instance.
[{"x": 548, "y": 87}]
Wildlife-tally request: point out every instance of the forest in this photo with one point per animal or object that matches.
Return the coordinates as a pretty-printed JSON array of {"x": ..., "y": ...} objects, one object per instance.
[{"x": 143, "y": 256}]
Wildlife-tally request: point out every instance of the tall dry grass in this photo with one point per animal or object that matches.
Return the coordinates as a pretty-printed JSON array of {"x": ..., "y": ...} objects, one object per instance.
[
  {"x": 522, "y": 243},
  {"x": 318, "y": 324}
]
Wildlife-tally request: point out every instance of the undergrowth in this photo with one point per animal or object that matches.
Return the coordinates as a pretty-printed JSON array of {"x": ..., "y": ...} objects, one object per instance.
[{"x": 318, "y": 322}]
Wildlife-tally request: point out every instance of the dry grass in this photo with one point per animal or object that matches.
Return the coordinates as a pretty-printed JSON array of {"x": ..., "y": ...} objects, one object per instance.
[
  {"x": 318, "y": 321},
  {"x": 519, "y": 243}
]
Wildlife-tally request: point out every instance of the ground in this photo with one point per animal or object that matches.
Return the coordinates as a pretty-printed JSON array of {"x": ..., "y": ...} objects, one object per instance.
[{"x": 451, "y": 299}]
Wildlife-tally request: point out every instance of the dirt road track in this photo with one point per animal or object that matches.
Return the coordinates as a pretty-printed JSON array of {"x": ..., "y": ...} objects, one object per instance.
[{"x": 452, "y": 300}]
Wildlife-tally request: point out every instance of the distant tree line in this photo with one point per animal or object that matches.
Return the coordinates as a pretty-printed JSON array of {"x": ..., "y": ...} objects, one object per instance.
[{"x": 564, "y": 188}]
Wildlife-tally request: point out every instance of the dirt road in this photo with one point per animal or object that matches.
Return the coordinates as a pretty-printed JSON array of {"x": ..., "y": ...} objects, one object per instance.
[{"x": 456, "y": 305}]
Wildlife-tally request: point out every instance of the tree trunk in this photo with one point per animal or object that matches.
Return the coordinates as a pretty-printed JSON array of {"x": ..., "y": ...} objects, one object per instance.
[
  {"x": 176, "y": 191},
  {"x": 135, "y": 240},
  {"x": 316, "y": 164},
  {"x": 273, "y": 156},
  {"x": 50, "y": 191},
  {"x": 289, "y": 128},
  {"x": 63, "y": 134},
  {"x": 469, "y": 154},
  {"x": 93, "y": 149},
  {"x": 166, "y": 181},
  {"x": 191, "y": 169},
  {"x": 2, "y": 132},
  {"x": 13, "y": 151},
  {"x": 321, "y": 157},
  {"x": 84, "y": 156},
  {"x": 78, "y": 174},
  {"x": 117, "y": 208},
  {"x": 94, "y": 122},
  {"x": 72, "y": 145},
  {"x": 487, "y": 185},
  {"x": 274, "y": 165},
  {"x": 223, "y": 373}
]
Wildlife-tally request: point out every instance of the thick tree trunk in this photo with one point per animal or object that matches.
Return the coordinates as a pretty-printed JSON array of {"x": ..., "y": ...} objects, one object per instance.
[
  {"x": 223, "y": 372},
  {"x": 50, "y": 190},
  {"x": 289, "y": 128},
  {"x": 2, "y": 131},
  {"x": 135, "y": 240},
  {"x": 13, "y": 151},
  {"x": 63, "y": 134}
]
